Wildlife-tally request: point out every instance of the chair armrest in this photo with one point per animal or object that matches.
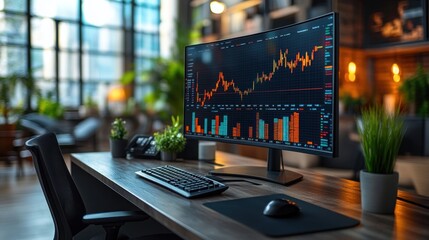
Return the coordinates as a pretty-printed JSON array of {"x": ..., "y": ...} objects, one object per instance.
[{"x": 114, "y": 217}]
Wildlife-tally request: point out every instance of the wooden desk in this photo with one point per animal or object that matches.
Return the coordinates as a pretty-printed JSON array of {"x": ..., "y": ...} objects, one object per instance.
[{"x": 191, "y": 220}]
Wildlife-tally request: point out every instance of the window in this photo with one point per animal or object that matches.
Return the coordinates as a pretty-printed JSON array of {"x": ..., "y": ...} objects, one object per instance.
[{"x": 72, "y": 50}]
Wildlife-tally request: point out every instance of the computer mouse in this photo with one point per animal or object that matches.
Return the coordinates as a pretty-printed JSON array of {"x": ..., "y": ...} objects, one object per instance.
[{"x": 281, "y": 207}]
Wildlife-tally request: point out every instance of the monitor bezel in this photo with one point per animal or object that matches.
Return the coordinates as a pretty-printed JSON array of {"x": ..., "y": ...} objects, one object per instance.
[{"x": 335, "y": 97}]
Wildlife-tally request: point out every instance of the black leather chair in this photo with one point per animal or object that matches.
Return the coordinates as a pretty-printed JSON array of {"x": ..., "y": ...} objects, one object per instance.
[
  {"x": 65, "y": 203},
  {"x": 69, "y": 137}
]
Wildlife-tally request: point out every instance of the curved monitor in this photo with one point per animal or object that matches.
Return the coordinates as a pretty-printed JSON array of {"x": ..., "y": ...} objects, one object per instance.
[{"x": 275, "y": 89}]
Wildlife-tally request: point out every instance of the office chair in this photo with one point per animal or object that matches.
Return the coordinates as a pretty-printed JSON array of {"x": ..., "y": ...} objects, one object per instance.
[{"x": 65, "y": 203}]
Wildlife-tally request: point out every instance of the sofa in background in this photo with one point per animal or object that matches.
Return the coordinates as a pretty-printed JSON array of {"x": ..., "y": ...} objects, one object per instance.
[{"x": 69, "y": 136}]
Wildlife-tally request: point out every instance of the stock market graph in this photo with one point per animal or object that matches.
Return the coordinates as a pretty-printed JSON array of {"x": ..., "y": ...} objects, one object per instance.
[{"x": 274, "y": 87}]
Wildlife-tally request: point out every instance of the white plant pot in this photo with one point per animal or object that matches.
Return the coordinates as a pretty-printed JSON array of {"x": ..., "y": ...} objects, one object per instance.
[{"x": 378, "y": 192}]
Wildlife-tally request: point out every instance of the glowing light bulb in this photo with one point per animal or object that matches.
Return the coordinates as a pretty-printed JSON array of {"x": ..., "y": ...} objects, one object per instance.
[
  {"x": 396, "y": 78},
  {"x": 217, "y": 7},
  {"x": 352, "y": 67},
  {"x": 352, "y": 77},
  {"x": 395, "y": 69},
  {"x": 1, "y": 5},
  {"x": 117, "y": 94}
]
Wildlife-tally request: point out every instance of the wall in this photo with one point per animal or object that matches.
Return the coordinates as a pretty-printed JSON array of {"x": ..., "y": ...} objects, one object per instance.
[
  {"x": 407, "y": 59},
  {"x": 374, "y": 78}
]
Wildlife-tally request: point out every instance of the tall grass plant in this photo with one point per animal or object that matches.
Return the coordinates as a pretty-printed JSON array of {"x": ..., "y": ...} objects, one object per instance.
[{"x": 381, "y": 135}]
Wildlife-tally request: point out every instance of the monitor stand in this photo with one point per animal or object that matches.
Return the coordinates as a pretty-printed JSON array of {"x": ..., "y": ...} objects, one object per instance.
[{"x": 272, "y": 173}]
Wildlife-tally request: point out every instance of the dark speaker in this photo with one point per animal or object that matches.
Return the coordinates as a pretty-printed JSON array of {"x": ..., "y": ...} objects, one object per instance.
[{"x": 191, "y": 150}]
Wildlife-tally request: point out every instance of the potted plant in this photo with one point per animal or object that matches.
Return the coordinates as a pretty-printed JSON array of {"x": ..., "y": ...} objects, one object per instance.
[
  {"x": 381, "y": 135},
  {"x": 118, "y": 143},
  {"x": 170, "y": 141},
  {"x": 49, "y": 107},
  {"x": 166, "y": 78},
  {"x": 89, "y": 107},
  {"x": 7, "y": 89},
  {"x": 415, "y": 90}
]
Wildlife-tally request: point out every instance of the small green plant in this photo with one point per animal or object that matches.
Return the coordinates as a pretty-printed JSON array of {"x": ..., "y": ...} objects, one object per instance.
[
  {"x": 381, "y": 136},
  {"x": 8, "y": 86},
  {"x": 118, "y": 130},
  {"x": 352, "y": 104},
  {"x": 171, "y": 139},
  {"x": 416, "y": 91},
  {"x": 51, "y": 108},
  {"x": 89, "y": 102}
]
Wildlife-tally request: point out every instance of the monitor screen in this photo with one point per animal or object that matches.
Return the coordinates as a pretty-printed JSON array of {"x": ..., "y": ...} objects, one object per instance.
[{"x": 275, "y": 89}]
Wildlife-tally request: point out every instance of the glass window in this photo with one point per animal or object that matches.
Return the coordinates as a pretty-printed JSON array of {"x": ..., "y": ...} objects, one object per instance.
[
  {"x": 12, "y": 60},
  {"x": 91, "y": 89},
  {"x": 19, "y": 96},
  {"x": 146, "y": 45},
  {"x": 97, "y": 91},
  {"x": 102, "y": 13},
  {"x": 69, "y": 66},
  {"x": 140, "y": 91},
  {"x": 43, "y": 62},
  {"x": 43, "y": 32},
  {"x": 13, "y": 5},
  {"x": 128, "y": 17},
  {"x": 107, "y": 27},
  {"x": 69, "y": 92},
  {"x": 13, "y": 28},
  {"x": 146, "y": 19},
  {"x": 68, "y": 36},
  {"x": 64, "y": 9},
  {"x": 46, "y": 87},
  {"x": 102, "y": 68},
  {"x": 142, "y": 64},
  {"x": 102, "y": 39},
  {"x": 148, "y": 2}
]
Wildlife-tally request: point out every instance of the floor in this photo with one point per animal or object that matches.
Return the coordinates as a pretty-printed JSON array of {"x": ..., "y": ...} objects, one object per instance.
[{"x": 24, "y": 213}]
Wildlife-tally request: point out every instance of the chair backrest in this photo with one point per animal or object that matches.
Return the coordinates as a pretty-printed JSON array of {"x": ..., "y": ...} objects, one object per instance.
[{"x": 65, "y": 203}]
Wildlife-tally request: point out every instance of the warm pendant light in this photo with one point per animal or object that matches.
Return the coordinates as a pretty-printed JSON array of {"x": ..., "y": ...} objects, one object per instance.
[
  {"x": 217, "y": 7},
  {"x": 351, "y": 72},
  {"x": 395, "y": 71}
]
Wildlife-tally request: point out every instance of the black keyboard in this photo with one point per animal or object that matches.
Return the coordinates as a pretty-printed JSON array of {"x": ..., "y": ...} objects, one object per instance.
[{"x": 185, "y": 183}]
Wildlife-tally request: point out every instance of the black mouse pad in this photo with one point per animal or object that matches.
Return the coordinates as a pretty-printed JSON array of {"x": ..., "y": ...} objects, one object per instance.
[{"x": 312, "y": 218}]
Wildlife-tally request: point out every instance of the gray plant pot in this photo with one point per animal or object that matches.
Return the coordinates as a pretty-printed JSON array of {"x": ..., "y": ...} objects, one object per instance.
[
  {"x": 118, "y": 148},
  {"x": 378, "y": 192},
  {"x": 168, "y": 156}
]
